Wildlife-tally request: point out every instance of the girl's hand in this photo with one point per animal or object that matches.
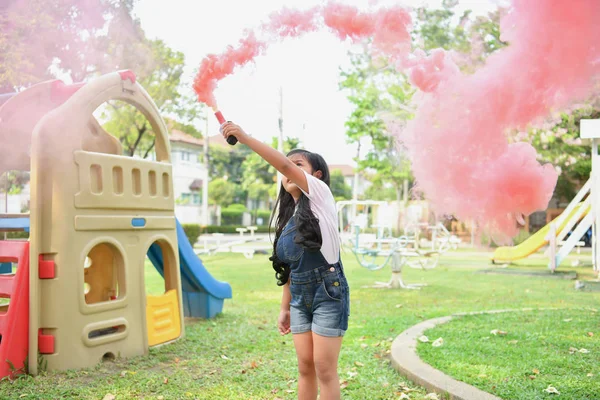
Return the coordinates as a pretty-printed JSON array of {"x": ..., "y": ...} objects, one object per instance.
[
  {"x": 283, "y": 322},
  {"x": 231, "y": 129}
]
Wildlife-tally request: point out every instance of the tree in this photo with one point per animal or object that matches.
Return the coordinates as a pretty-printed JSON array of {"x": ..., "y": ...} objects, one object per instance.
[
  {"x": 381, "y": 94},
  {"x": 163, "y": 84},
  {"x": 557, "y": 142},
  {"x": 227, "y": 162},
  {"x": 40, "y": 38},
  {"x": 258, "y": 177},
  {"x": 340, "y": 189},
  {"x": 221, "y": 192}
]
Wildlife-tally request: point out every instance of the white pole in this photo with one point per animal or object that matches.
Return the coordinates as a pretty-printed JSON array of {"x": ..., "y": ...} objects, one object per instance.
[
  {"x": 205, "y": 218},
  {"x": 590, "y": 129}
]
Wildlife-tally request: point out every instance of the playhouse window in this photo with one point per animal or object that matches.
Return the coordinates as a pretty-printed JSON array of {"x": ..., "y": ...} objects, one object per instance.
[{"x": 104, "y": 274}]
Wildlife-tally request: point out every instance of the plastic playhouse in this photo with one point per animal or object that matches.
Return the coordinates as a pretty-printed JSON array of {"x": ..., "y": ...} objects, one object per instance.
[{"x": 77, "y": 294}]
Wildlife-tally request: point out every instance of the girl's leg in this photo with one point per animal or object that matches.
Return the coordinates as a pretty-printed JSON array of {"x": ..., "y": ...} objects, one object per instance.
[
  {"x": 307, "y": 380},
  {"x": 326, "y": 352}
]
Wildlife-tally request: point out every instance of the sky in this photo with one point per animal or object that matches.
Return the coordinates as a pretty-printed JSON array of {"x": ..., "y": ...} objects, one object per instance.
[{"x": 306, "y": 70}]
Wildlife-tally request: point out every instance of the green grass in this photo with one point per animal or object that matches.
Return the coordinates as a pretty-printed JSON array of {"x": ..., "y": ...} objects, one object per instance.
[
  {"x": 260, "y": 364},
  {"x": 538, "y": 350}
]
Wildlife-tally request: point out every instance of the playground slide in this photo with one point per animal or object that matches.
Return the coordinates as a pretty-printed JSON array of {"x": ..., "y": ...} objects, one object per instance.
[
  {"x": 533, "y": 243},
  {"x": 202, "y": 294}
]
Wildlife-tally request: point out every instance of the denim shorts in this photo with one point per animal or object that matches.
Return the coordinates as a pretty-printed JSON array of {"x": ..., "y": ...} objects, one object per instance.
[{"x": 320, "y": 301}]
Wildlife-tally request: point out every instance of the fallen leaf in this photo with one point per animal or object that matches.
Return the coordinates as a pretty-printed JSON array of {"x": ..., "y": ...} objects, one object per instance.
[
  {"x": 166, "y": 380},
  {"x": 532, "y": 377},
  {"x": 188, "y": 394},
  {"x": 568, "y": 320},
  {"x": 404, "y": 396},
  {"x": 362, "y": 338},
  {"x": 274, "y": 391},
  {"x": 224, "y": 357},
  {"x": 482, "y": 376},
  {"x": 109, "y": 396},
  {"x": 123, "y": 373},
  {"x": 214, "y": 371},
  {"x": 584, "y": 351},
  {"x": 572, "y": 350},
  {"x": 290, "y": 391},
  {"x": 253, "y": 365},
  {"x": 536, "y": 371},
  {"x": 352, "y": 374},
  {"x": 243, "y": 371},
  {"x": 364, "y": 345},
  {"x": 552, "y": 390},
  {"x": 385, "y": 384},
  {"x": 423, "y": 339},
  {"x": 590, "y": 375},
  {"x": 498, "y": 332},
  {"x": 22, "y": 396},
  {"x": 399, "y": 306},
  {"x": 343, "y": 385},
  {"x": 438, "y": 342},
  {"x": 176, "y": 360},
  {"x": 160, "y": 398},
  {"x": 513, "y": 341},
  {"x": 359, "y": 364},
  {"x": 432, "y": 396},
  {"x": 590, "y": 334}
]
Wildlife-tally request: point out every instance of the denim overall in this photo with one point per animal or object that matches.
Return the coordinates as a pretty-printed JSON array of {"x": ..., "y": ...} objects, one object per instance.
[{"x": 320, "y": 294}]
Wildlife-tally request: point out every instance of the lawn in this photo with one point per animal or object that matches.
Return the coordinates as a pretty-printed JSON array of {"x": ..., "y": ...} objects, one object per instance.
[{"x": 239, "y": 355}]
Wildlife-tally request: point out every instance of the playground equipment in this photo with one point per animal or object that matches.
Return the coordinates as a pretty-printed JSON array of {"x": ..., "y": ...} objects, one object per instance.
[
  {"x": 576, "y": 214},
  {"x": 580, "y": 215},
  {"x": 375, "y": 250},
  {"x": 78, "y": 293}
]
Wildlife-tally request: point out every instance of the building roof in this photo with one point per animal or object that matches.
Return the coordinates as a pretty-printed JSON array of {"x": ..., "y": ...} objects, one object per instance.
[
  {"x": 182, "y": 137},
  {"x": 196, "y": 184},
  {"x": 347, "y": 170},
  {"x": 178, "y": 136}
]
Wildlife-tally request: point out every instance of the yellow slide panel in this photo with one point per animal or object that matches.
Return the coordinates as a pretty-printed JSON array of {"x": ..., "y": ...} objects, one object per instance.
[
  {"x": 534, "y": 242},
  {"x": 162, "y": 318}
]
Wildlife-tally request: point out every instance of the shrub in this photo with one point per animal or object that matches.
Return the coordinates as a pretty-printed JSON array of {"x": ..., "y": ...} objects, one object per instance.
[
  {"x": 192, "y": 231},
  {"x": 233, "y": 214}
]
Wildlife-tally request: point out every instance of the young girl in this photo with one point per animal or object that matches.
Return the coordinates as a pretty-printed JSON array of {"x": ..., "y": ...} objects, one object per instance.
[{"x": 306, "y": 258}]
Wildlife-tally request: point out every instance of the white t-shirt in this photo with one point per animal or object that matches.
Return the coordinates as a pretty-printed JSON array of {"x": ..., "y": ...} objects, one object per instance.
[{"x": 323, "y": 207}]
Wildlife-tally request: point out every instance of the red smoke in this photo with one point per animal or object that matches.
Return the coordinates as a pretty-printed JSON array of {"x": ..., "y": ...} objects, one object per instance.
[
  {"x": 387, "y": 26},
  {"x": 463, "y": 119},
  {"x": 457, "y": 140}
]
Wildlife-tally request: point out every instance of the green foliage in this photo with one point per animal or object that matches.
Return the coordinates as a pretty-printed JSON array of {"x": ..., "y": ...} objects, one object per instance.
[
  {"x": 557, "y": 142},
  {"x": 14, "y": 181},
  {"x": 259, "y": 177},
  {"x": 228, "y": 162},
  {"x": 42, "y": 37},
  {"x": 222, "y": 192},
  {"x": 340, "y": 189},
  {"x": 233, "y": 214},
  {"x": 192, "y": 231},
  {"x": 379, "y": 93},
  {"x": 163, "y": 84}
]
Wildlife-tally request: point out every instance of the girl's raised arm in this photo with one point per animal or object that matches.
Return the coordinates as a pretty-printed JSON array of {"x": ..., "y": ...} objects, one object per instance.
[{"x": 269, "y": 154}]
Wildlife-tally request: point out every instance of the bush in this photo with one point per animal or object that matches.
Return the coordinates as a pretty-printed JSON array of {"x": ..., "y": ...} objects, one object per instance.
[
  {"x": 264, "y": 214},
  {"x": 16, "y": 235},
  {"x": 233, "y": 214},
  {"x": 192, "y": 231}
]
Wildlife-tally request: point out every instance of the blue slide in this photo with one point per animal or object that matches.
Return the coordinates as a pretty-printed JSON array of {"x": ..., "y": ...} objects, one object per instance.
[{"x": 202, "y": 294}]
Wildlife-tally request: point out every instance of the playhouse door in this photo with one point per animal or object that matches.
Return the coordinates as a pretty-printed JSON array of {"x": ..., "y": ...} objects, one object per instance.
[{"x": 162, "y": 318}]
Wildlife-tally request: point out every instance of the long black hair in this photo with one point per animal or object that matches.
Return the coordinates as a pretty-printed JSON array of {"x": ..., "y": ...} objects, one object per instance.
[{"x": 308, "y": 233}]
